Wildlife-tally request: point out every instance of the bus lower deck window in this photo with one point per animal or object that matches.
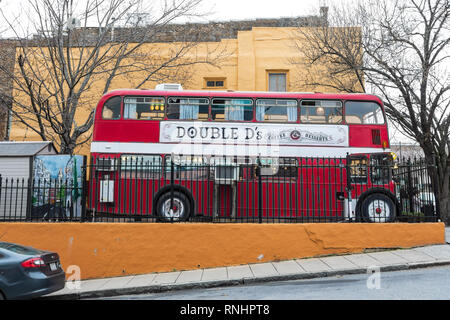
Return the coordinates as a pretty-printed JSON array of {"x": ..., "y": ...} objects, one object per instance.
[{"x": 279, "y": 167}]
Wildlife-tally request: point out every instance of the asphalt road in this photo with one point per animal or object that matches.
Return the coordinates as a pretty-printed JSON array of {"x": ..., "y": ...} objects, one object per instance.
[{"x": 422, "y": 284}]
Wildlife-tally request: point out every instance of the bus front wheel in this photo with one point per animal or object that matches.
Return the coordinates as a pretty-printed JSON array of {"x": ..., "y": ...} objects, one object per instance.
[
  {"x": 173, "y": 207},
  {"x": 378, "y": 207}
]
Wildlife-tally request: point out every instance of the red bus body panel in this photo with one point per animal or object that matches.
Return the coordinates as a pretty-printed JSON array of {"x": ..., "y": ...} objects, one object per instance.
[{"x": 313, "y": 193}]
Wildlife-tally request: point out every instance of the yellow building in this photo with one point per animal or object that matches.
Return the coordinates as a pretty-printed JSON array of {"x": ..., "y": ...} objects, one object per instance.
[{"x": 252, "y": 55}]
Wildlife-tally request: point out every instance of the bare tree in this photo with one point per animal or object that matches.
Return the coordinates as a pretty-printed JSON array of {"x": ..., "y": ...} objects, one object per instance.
[
  {"x": 6, "y": 49},
  {"x": 399, "y": 50},
  {"x": 75, "y": 49}
]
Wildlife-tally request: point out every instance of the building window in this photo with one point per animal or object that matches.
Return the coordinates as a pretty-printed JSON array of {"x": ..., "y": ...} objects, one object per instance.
[
  {"x": 215, "y": 83},
  {"x": 277, "y": 81}
]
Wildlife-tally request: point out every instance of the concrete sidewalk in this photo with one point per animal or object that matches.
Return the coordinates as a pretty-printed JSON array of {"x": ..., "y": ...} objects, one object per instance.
[{"x": 402, "y": 259}]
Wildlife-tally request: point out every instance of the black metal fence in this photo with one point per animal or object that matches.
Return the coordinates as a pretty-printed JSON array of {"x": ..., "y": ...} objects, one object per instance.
[
  {"x": 27, "y": 199},
  {"x": 258, "y": 190},
  {"x": 416, "y": 190}
]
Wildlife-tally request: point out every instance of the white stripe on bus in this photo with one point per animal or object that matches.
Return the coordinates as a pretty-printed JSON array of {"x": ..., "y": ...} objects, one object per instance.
[{"x": 227, "y": 150}]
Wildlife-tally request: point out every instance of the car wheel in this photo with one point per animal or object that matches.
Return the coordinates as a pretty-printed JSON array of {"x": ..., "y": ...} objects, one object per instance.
[
  {"x": 378, "y": 207},
  {"x": 179, "y": 211}
]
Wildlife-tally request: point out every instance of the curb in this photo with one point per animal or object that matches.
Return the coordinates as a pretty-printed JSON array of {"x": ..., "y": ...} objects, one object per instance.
[{"x": 235, "y": 282}]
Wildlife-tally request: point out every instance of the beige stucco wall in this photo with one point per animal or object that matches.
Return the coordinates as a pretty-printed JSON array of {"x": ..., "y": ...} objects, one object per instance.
[{"x": 244, "y": 62}]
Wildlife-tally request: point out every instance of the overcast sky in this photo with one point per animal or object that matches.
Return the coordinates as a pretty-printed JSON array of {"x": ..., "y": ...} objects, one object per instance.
[
  {"x": 245, "y": 9},
  {"x": 218, "y": 10}
]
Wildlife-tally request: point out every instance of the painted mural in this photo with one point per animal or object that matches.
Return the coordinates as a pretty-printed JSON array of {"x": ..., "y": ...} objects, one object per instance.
[{"x": 57, "y": 188}]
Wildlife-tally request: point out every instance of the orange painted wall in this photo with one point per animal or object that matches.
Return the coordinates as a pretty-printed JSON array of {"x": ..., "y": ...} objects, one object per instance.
[{"x": 107, "y": 249}]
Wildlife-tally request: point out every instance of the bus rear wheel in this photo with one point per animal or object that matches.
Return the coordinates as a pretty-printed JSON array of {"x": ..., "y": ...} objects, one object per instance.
[
  {"x": 378, "y": 207},
  {"x": 173, "y": 209}
]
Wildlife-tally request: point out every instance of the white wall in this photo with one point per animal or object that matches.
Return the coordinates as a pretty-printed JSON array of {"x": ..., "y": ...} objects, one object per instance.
[
  {"x": 16, "y": 167},
  {"x": 15, "y": 172}
]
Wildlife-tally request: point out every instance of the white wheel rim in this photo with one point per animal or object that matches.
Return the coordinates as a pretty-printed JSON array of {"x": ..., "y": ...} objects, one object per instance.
[
  {"x": 176, "y": 211},
  {"x": 379, "y": 211}
]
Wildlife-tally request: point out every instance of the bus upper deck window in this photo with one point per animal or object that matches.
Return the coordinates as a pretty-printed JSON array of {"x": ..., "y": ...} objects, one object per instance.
[
  {"x": 187, "y": 108},
  {"x": 276, "y": 110},
  {"x": 321, "y": 111},
  {"x": 363, "y": 112},
  {"x": 232, "y": 109},
  {"x": 144, "y": 108},
  {"x": 111, "y": 108}
]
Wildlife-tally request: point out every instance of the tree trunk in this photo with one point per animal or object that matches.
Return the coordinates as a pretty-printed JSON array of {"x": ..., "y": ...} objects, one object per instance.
[
  {"x": 433, "y": 167},
  {"x": 444, "y": 196},
  {"x": 67, "y": 148}
]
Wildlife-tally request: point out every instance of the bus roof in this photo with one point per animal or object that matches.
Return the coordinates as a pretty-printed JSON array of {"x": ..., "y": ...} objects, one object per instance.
[{"x": 243, "y": 94}]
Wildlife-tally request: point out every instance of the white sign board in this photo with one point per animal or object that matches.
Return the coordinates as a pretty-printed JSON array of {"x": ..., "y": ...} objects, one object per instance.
[{"x": 253, "y": 133}]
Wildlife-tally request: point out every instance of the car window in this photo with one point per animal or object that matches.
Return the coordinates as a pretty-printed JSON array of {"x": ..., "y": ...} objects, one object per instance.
[{"x": 19, "y": 249}]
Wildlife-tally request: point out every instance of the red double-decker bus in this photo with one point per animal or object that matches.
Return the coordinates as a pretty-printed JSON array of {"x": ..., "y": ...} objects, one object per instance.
[{"x": 176, "y": 154}]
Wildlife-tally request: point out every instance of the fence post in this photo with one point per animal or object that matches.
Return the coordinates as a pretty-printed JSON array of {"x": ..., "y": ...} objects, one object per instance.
[
  {"x": 2, "y": 218},
  {"x": 435, "y": 183},
  {"x": 258, "y": 173},
  {"x": 84, "y": 188},
  {"x": 1, "y": 189},
  {"x": 409, "y": 186},
  {"x": 348, "y": 186},
  {"x": 30, "y": 183},
  {"x": 171, "y": 185}
]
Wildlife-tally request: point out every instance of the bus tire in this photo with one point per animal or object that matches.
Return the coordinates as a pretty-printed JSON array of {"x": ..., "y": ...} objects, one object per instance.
[
  {"x": 378, "y": 207},
  {"x": 180, "y": 210}
]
